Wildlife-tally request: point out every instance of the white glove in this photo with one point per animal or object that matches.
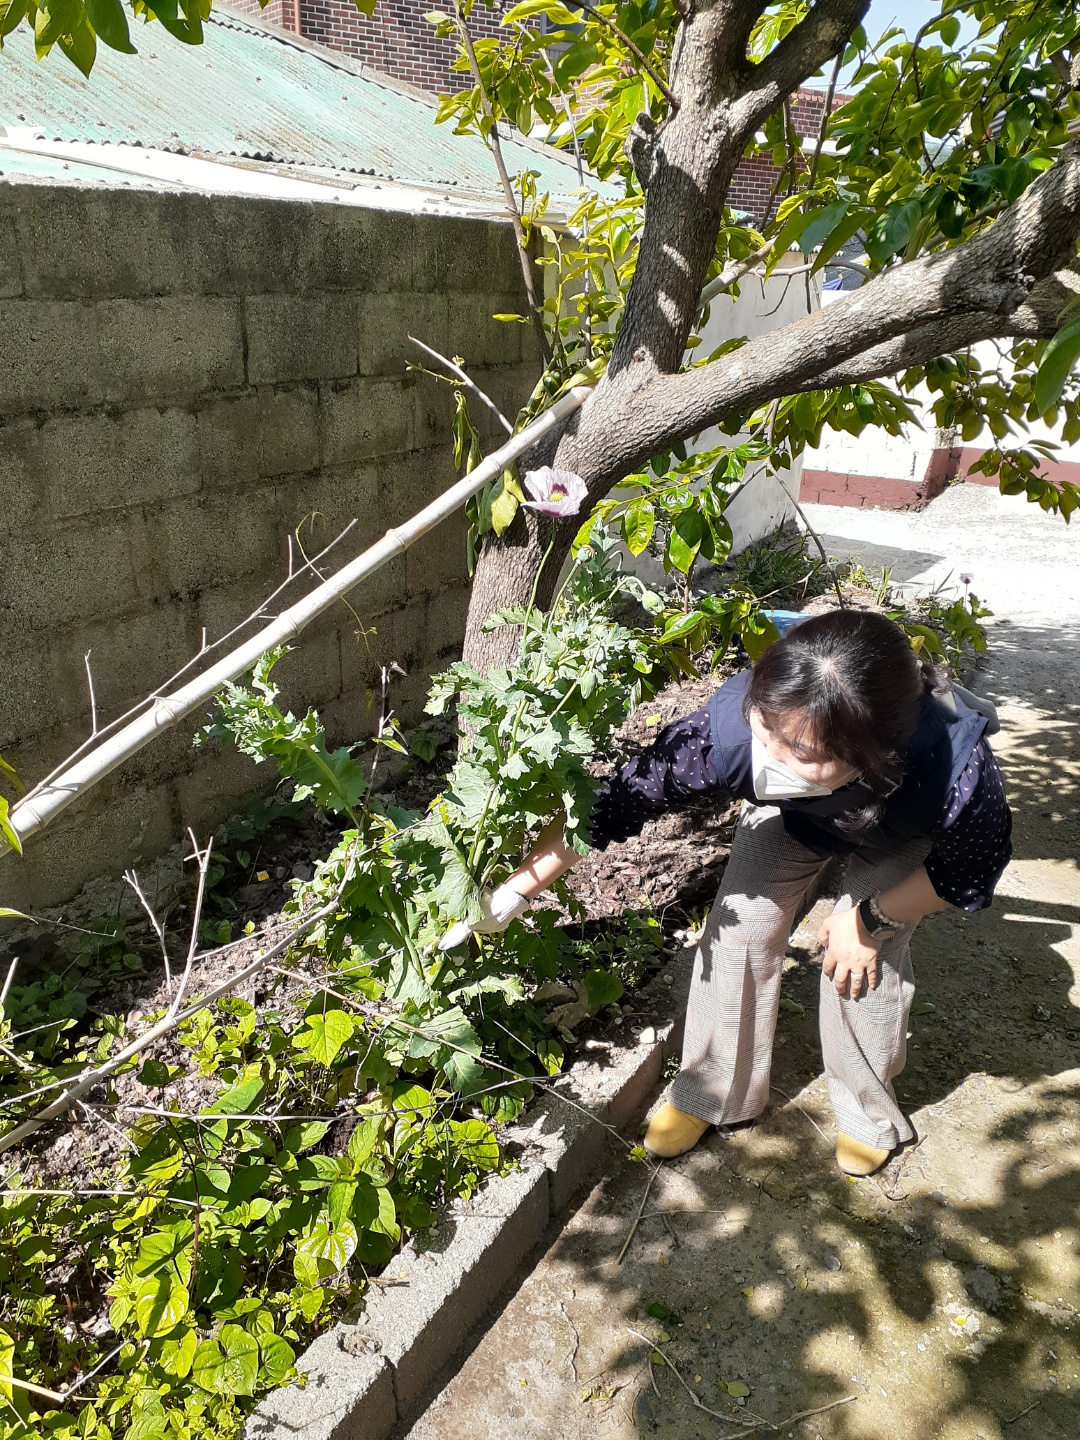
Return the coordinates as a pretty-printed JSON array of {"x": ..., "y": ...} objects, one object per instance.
[{"x": 499, "y": 906}]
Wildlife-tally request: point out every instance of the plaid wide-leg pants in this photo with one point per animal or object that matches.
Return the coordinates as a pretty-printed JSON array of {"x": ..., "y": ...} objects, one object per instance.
[{"x": 735, "y": 990}]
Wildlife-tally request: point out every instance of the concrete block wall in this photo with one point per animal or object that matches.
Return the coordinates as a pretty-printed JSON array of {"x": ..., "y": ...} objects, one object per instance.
[{"x": 185, "y": 380}]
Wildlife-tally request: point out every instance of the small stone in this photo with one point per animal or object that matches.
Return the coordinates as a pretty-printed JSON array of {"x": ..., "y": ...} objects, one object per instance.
[
  {"x": 832, "y": 1262},
  {"x": 669, "y": 979},
  {"x": 647, "y": 1036}
]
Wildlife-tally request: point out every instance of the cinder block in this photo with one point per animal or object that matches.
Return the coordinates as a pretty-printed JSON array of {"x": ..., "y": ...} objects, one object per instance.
[
  {"x": 419, "y": 1328},
  {"x": 49, "y": 356},
  {"x": 27, "y": 708},
  {"x": 10, "y": 274},
  {"x": 336, "y": 495},
  {"x": 95, "y": 244},
  {"x": 171, "y": 346},
  {"x": 311, "y": 675},
  {"x": 346, "y": 1397},
  {"x": 70, "y": 573},
  {"x": 229, "y": 442},
  {"x": 300, "y": 337},
  {"x": 99, "y": 462},
  {"x": 409, "y": 246},
  {"x": 220, "y": 782},
  {"x": 477, "y": 256},
  {"x": 104, "y": 832},
  {"x": 386, "y": 320},
  {"x": 568, "y": 1141},
  {"x": 130, "y": 656},
  {"x": 480, "y": 338},
  {"x": 21, "y": 483},
  {"x": 365, "y": 419},
  {"x": 439, "y": 559},
  {"x": 288, "y": 430},
  {"x": 180, "y": 548},
  {"x": 433, "y": 414}
]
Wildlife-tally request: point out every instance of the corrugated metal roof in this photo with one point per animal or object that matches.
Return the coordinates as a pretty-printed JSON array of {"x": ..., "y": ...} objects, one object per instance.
[{"x": 257, "y": 94}]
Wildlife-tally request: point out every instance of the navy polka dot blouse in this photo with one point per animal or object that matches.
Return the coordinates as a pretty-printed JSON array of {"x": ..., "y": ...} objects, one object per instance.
[{"x": 970, "y": 841}]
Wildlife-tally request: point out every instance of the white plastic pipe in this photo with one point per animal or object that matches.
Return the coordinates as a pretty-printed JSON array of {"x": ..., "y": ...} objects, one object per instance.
[{"x": 39, "y": 807}]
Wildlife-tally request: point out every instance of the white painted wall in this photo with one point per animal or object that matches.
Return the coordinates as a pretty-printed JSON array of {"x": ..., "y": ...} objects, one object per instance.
[
  {"x": 905, "y": 457},
  {"x": 761, "y": 306}
]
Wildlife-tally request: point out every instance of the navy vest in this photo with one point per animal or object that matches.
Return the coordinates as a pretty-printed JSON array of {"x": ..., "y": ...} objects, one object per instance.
[{"x": 940, "y": 748}]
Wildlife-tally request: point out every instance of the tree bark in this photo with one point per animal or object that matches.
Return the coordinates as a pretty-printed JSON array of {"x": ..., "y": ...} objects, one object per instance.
[{"x": 1010, "y": 279}]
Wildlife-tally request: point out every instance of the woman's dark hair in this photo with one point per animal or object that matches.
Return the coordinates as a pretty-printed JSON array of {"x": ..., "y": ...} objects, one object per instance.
[{"x": 853, "y": 678}]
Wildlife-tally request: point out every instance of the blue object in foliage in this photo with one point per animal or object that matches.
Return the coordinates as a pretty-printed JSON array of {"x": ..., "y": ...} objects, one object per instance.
[{"x": 785, "y": 620}]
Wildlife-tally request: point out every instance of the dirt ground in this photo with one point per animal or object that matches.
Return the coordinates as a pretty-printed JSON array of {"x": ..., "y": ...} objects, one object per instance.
[{"x": 939, "y": 1300}]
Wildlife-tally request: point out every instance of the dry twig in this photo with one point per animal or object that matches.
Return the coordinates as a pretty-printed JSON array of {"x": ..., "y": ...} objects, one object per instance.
[
  {"x": 467, "y": 381},
  {"x": 747, "y": 1427},
  {"x": 637, "y": 1217}
]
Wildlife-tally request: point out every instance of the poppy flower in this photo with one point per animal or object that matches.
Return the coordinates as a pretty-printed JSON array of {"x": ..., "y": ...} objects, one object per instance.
[{"x": 555, "y": 492}]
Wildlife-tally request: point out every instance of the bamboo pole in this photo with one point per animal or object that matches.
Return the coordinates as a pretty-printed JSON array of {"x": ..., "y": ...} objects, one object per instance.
[{"x": 35, "y": 811}]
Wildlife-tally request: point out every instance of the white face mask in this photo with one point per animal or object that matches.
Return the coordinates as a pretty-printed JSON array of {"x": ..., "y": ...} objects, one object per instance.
[{"x": 775, "y": 781}]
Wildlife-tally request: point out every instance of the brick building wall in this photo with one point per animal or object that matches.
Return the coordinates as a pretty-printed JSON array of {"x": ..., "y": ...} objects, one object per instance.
[
  {"x": 282, "y": 14},
  {"x": 396, "y": 40}
]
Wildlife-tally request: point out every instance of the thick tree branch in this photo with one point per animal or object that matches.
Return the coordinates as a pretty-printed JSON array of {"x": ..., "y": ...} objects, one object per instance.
[
  {"x": 1037, "y": 319},
  {"x": 994, "y": 274},
  {"x": 817, "y": 39}
]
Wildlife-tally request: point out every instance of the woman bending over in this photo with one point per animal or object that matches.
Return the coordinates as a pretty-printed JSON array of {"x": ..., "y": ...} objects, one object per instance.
[{"x": 838, "y": 743}]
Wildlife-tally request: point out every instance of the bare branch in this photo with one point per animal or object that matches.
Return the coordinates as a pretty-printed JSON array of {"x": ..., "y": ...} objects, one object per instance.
[
  {"x": 159, "y": 929},
  {"x": 203, "y": 859},
  {"x": 825, "y": 114},
  {"x": 204, "y": 649},
  {"x": 469, "y": 383},
  {"x": 93, "y": 697}
]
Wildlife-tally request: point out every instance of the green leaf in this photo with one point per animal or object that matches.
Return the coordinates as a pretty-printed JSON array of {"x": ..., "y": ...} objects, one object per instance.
[
  {"x": 242, "y": 1099},
  {"x": 80, "y": 46},
  {"x": 11, "y": 12},
  {"x": 822, "y": 224},
  {"x": 155, "y": 1074},
  {"x": 6, "y": 769},
  {"x": 891, "y": 231},
  {"x": 178, "y": 1353},
  {"x": 505, "y": 502},
  {"x": 7, "y": 830},
  {"x": 53, "y": 20},
  {"x": 638, "y": 524},
  {"x": 276, "y": 1356},
  {"x": 685, "y": 539},
  {"x": 299, "y": 1138},
  {"x": 228, "y": 1365},
  {"x": 325, "y": 1035},
  {"x": 1056, "y": 365},
  {"x": 109, "y": 20},
  {"x": 324, "y": 1250},
  {"x": 602, "y": 987},
  {"x": 160, "y": 1304},
  {"x": 476, "y": 1144},
  {"x": 757, "y": 641}
]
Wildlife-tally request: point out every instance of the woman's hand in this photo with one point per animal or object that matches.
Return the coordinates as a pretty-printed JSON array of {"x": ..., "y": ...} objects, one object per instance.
[{"x": 850, "y": 954}]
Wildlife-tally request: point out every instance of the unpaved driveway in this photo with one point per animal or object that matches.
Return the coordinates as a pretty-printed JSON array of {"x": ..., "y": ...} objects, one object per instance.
[{"x": 943, "y": 1295}]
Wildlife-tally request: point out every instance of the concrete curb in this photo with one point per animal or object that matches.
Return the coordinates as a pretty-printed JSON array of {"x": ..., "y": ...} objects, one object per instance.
[{"x": 362, "y": 1379}]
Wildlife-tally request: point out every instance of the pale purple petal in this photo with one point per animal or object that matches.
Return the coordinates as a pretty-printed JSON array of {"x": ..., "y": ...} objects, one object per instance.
[{"x": 555, "y": 492}]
